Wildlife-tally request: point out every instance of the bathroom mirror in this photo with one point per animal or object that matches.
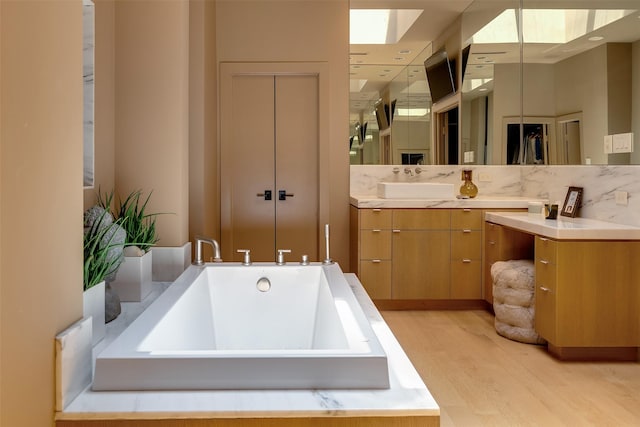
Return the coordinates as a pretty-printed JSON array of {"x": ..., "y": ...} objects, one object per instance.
[{"x": 573, "y": 76}]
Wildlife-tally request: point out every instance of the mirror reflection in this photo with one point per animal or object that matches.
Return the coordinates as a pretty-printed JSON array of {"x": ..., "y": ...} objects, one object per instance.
[{"x": 551, "y": 99}]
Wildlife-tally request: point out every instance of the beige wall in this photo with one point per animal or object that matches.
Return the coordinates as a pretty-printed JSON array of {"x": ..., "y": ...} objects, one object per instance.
[
  {"x": 308, "y": 31},
  {"x": 204, "y": 208},
  {"x": 152, "y": 109},
  {"x": 41, "y": 199}
]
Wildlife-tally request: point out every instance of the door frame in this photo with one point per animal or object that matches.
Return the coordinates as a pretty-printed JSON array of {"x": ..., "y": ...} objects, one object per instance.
[
  {"x": 438, "y": 115},
  {"x": 228, "y": 70}
]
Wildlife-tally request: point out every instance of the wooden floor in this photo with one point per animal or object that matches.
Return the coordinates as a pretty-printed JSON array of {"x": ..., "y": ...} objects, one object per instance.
[{"x": 482, "y": 379}]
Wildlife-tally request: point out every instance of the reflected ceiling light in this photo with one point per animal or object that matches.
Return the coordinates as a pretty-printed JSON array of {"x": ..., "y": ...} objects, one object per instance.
[
  {"x": 413, "y": 112},
  {"x": 356, "y": 85},
  {"x": 380, "y": 26},
  {"x": 547, "y": 25}
]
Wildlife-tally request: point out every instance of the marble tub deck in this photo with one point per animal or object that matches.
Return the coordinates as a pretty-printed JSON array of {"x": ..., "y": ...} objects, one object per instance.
[{"x": 407, "y": 397}]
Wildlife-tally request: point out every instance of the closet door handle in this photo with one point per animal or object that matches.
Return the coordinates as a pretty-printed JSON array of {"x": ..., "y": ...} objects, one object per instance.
[
  {"x": 282, "y": 195},
  {"x": 266, "y": 194}
]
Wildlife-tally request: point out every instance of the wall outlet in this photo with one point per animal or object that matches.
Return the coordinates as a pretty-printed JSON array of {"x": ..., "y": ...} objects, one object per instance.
[
  {"x": 622, "y": 198},
  {"x": 485, "y": 177}
]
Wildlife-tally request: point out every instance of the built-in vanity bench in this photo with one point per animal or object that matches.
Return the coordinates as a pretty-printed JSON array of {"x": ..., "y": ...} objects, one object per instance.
[
  {"x": 424, "y": 253},
  {"x": 587, "y": 280}
]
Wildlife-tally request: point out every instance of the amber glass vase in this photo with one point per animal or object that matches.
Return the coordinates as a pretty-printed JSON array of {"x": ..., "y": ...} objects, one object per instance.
[{"x": 468, "y": 188}]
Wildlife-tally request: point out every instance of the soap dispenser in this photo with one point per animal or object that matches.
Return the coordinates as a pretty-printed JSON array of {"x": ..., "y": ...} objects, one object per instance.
[{"x": 468, "y": 188}]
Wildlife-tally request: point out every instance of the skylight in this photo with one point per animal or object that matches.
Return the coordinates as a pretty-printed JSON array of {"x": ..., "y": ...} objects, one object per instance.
[
  {"x": 380, "y": 26},
  {"x": 547, "y": 25}
]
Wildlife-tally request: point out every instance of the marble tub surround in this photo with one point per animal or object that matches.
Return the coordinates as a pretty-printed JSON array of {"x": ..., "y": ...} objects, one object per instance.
[
  {"x": 76, "y": 353},
  {"x": 549, "y": 183},
  {"x": 407, "y": 396},
  {"x": 563, "y": 227}
]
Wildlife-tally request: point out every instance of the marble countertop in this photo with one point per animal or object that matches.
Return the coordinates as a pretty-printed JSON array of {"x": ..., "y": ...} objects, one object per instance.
[
  {"x": 564, "y": 227},
  {"x": 407, "y": 396},
  {"x": 480, "y": 202}
]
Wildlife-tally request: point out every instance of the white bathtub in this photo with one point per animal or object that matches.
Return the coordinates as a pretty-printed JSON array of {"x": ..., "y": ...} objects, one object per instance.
[{"x": 214, "y": 329}]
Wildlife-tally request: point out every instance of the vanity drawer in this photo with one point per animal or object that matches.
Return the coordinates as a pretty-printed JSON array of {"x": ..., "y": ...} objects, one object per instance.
[
  {"x": 470, "y": 219},
  {"x": 375, "y": 219},
  {"x": 466, "y": 279},
  {"x": 546, "y": 249},
  {"x": 375, "y": 244},
  {"x": 375, "y": 276},
  {"x": 466, "y": 244},
  {"x": 421, "y": 219}
]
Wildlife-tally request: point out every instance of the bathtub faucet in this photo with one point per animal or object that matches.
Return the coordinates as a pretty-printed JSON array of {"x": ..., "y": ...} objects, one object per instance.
[{"x": 214, "y": 244}]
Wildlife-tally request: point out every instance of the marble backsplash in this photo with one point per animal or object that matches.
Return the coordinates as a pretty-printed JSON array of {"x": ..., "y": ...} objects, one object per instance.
[{"x": 546, "y": 182}]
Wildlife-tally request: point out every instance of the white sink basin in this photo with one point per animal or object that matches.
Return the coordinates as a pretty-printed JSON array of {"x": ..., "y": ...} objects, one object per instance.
[{"x": 415, "y": 190}]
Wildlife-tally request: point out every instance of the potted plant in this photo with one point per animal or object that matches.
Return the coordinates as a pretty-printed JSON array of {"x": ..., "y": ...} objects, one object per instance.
[
  {"x": 104, "y": 241},
  {"x": 134, "y": 278}
]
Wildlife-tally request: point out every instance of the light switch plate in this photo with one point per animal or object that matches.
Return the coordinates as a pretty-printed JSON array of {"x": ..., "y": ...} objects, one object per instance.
[{"x": 622, "y": 198}]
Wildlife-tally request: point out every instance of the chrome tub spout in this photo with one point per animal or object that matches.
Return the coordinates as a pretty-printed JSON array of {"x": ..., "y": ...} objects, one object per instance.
[{"x": 214, "y": 244}]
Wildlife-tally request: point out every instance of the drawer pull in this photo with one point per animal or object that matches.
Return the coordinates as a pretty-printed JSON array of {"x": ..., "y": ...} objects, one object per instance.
[
  {"x": 376, "y": 210},
  {"x": 543, "y": 289},
  {"x": 376, "y": 261},
  {"x": 396, "y": 230},
  {"x": 466, "y": 230},
  {"x": 544, "y": 261},
  {"x": 466, "y": 260},
  {"x": 375, "y": 230},
  {"x": 543, "y": 239},
  {"x": 466, "y": 210},
  {"x": 492, "y": 242}
]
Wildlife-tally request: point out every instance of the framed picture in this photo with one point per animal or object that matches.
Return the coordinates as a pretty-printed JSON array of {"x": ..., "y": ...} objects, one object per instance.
[{"x": 572, "y": 202}]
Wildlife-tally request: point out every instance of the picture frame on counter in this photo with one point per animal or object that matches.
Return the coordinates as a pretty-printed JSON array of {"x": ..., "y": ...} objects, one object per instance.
[{"x": 572, "y": 202}]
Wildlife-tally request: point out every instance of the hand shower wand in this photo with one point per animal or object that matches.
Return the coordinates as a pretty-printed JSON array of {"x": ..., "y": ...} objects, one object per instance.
[{"x": 328, "y": 259}]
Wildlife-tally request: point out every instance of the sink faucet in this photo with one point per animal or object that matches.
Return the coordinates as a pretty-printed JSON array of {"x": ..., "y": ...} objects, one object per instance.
[
  {"x": 216, "y": 250},
  {"x": 408, "y": 171}
]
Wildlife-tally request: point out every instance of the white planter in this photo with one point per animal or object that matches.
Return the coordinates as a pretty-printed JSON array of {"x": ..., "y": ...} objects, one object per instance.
[
  {"x": 133, "y": 280},
  {"x": 93, "y": 305}
]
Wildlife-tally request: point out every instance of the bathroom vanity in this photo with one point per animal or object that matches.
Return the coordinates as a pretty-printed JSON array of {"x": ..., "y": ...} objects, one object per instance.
[
  {"x": 586, "y": 281},
  {"x": 423, "y": 253}
]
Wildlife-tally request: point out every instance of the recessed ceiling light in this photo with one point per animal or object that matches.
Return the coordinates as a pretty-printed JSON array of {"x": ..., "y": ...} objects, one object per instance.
[
  {"x": 595, "y": 38},
  {"x": 482, "y": 89}
]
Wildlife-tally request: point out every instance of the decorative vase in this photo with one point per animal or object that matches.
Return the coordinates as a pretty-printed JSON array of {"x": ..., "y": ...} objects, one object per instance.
[
  {"x": 468, "y": 188},
  {"x": 93, "y": 305},
  {"x": 133, "y": 280}
]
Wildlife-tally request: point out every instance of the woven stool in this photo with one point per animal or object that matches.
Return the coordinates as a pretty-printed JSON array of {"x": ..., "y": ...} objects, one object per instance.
[{"x": 514, "y": 300}]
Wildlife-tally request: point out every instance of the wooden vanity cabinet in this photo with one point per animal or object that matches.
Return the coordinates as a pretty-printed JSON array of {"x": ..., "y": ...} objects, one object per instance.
[
  {"x": 373, "y": 250},
  {"x": 421, "y": 240},
  {"x": 466, "y": 253},
  {"x": 587, "y": 294}
]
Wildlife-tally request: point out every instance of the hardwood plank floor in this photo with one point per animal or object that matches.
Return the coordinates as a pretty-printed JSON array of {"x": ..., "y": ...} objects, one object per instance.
[{"x": 482, "y": 379}]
